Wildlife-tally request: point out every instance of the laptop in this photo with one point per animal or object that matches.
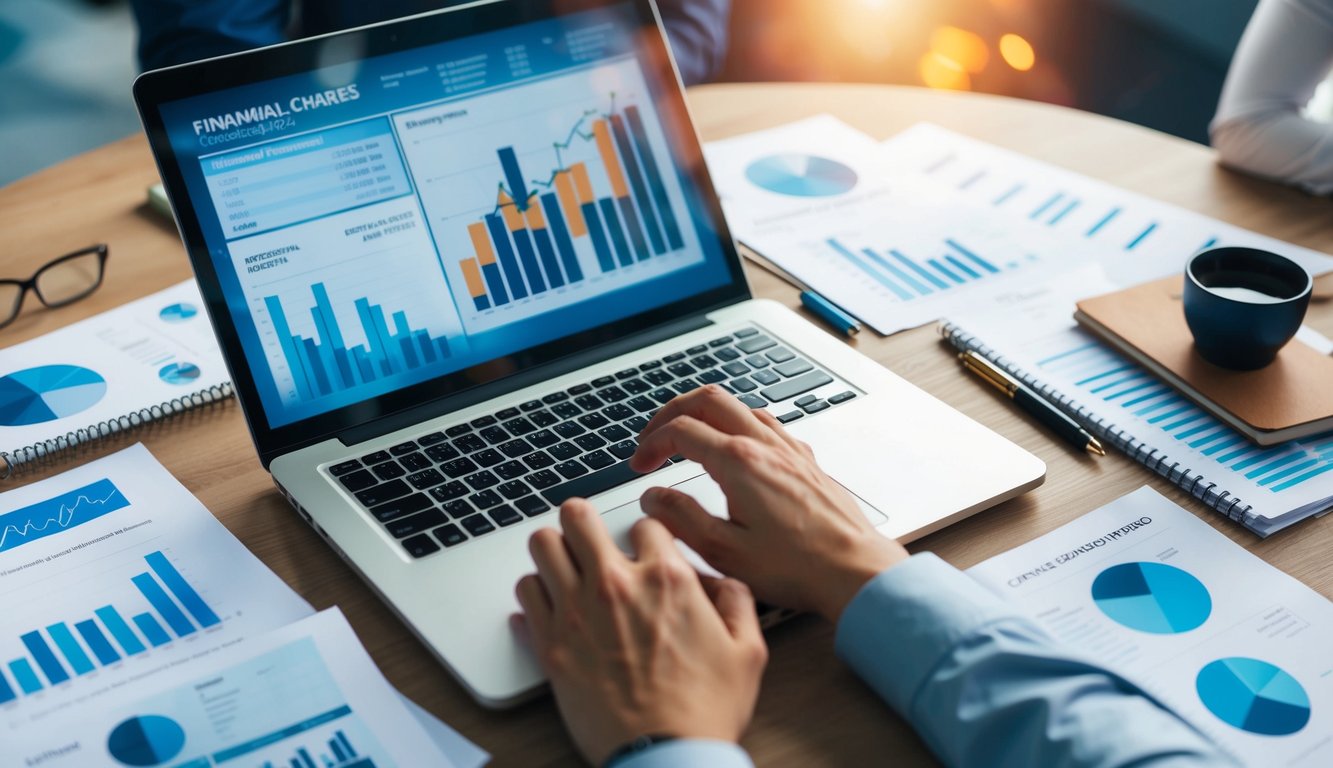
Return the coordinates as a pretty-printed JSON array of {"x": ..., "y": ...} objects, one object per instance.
[{"x": 455, "y": 263}]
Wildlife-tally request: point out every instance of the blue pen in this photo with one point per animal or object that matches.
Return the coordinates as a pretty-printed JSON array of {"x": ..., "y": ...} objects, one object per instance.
[{"x": 830, "y": 313}]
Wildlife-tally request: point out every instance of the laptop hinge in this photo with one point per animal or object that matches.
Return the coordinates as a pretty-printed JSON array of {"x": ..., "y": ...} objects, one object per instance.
[{"x": 574, "y": 362}]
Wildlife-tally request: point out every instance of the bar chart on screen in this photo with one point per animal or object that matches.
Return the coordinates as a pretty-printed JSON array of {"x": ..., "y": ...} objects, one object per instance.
[{"x": 592, "y": 205}]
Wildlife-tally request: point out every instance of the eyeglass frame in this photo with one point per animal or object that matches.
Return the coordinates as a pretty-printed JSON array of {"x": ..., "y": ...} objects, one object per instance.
[{"x": 103, "y": 252}]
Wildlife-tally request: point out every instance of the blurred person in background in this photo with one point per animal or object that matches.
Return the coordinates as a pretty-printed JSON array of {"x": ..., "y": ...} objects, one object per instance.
[
  {"x": 1264, "y": 124},
  {"x": 177, "y": 31}
]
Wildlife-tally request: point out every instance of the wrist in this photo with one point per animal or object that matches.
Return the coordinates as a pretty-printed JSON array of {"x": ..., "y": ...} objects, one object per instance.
[{"x": 876, "y": 555}]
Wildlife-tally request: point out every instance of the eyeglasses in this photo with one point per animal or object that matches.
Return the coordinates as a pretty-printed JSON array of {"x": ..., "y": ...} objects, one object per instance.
[{"x": 62, "y": 281}]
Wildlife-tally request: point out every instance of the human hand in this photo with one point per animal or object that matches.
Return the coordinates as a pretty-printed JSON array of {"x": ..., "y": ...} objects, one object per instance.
[
  {"x": 795, "y": 536},
  {"x": 637, "y": 647}
]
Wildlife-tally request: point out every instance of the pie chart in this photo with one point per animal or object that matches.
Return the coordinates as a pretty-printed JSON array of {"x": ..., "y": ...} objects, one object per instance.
[
  {"x": 798, "y": 175},
  {"x": 179, "y": 374},
  {"x": 178, "y": 313},
  {"x": 146, "y": 740},
  {"x": 1152, "y": 597},
  {"x": 47, "y": 393},
  {"x": 1254, "y": 696}
]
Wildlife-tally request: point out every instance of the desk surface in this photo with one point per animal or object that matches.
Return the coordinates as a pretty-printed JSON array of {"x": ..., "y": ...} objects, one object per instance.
[{"x": 812, "y": 710}]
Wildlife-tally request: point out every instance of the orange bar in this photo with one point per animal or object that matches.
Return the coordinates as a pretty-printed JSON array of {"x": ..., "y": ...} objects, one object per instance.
[
  {"x": 582, "y": 183},
  {"x": 508, "y": 209},
  {"x": 609, "y": 157},
  {"x": 481, "y": 241},
  {"x": 534, "y": 216},
  {"x": 472, "y": 274},
  {"x": 564, "y": 188}
]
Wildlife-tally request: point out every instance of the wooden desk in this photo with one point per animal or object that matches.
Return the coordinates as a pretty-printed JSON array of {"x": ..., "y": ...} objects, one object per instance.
[{"x": 812, "y": 710}]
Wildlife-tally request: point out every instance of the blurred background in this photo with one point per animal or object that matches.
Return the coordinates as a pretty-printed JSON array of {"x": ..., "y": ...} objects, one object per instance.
[{"x": 66, "y": 65}]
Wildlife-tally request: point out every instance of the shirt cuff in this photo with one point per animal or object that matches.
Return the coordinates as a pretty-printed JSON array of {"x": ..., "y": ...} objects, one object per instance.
[
  {"x": 907, "y": 619},
  {"x": 688, "y": 752}
]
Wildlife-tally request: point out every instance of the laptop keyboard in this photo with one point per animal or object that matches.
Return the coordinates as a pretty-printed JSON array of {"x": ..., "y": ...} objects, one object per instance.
[{"x": 446, "y": 487}]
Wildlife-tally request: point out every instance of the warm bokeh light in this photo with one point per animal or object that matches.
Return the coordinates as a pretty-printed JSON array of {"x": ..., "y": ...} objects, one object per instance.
[
  {"x": 964, "y": 48},
  {"x": 1017, "y": 52},
  {"x": 943, "y": 73}
]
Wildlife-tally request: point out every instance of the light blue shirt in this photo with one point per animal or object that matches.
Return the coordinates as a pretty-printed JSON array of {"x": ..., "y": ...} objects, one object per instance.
[{"x": 983, "y": 685}]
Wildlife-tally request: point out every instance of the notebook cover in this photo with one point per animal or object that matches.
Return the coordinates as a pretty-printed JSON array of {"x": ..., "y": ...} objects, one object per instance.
[{"x": 1294, "y": 390}]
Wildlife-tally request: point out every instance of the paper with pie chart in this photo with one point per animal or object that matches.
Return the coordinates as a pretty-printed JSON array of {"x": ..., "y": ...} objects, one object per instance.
[
  {"x": 151, "y": 351},
  {"x": 1235, "y": 646}
]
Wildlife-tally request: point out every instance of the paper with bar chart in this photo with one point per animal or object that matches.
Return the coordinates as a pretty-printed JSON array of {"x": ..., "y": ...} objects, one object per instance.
[
  {"x": 1152, "y": 592},
  {"x": 1136, "y": 238},
  {"x": 113, "y": 571},
  {"x": 813, "y": 198},
  {"x": 567, "y": 193},
  {"x": 133, "y": 357}
]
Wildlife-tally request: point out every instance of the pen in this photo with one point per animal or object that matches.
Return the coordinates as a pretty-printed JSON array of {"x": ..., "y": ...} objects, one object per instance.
[
  {"x": 830, "y": 313},
  {"x": 1033, "y": 403}
]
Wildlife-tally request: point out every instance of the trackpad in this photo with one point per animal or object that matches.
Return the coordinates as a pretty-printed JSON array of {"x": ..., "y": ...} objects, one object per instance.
[{"x": 710, "y": 497}]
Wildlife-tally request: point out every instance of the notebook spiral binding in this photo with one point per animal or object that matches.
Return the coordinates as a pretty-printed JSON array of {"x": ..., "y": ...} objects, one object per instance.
[
  {"x": 1193, "y": 483},
  {"x": 47, "y": 451}
]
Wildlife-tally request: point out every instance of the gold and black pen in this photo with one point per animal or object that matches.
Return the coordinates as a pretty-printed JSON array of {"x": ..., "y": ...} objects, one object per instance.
[{"x": 1033, "y": 403}]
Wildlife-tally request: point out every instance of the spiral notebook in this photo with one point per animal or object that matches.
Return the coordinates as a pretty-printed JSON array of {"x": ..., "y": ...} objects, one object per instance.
[
  {"x": 1264, "y": 488},
  {"x": 109, "y": 374}
]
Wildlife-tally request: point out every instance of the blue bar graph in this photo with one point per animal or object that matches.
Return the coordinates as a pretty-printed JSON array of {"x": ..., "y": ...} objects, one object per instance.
[
  {"x": 41, "y": 653},
  {"x": 151, "y": 629},
  {"x": 637, "y": 183},
  {"x": 129, "y": 642},
  {"x": 158, "y": 598},
  {"x": 97, "y": 642},
  {"x": 26, "y": 677},
  {"x": 505, "y": 252},
  {"x": 182, "y": 590},
  {"x": 909, "y": 279},
  {"x": 69, "y": 648},
  {"x": 618, "y": 239},
  {"x": 654, "y": 174},
  {"x": 563, "y": 242}
]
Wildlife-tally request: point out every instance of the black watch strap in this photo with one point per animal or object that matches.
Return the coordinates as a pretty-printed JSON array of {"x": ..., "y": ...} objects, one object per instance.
[{"x": 634, "y": 747}]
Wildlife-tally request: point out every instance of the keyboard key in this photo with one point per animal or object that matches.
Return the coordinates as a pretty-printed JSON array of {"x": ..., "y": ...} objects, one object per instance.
[
  {"x": 746, "y": 333},
  {"x": 842, "y": 397},
  {"x": 567, "y": 410},
  {"x": 555, "y": 397},
  {"x": 516, "y": 448},
  {"x": 510, "y": 470},
  {"x": 593, "y": 420},
  {"x": 418, "y": 523},
  {"x": 338, "y": 470},
  {"x": 530, "y": 405},
  {"x": 636, "y": 386},
  {"x": 802, "y": 402},
  {"x": 602, "y": 381},
  {"x": 520, "y": 426},
  {"x": 742, "y": 385},
  {"x": 727, "y": 355},
  {"x": 507, "y": 413},
  {"x": 545, "y": 437},
  {"x": 375, "y": 458},
  {"x": 628, "y": 373},
  {"x": 482, "y": 480},
  {"x": 415, "y": 462},
  {"x": 485, "y": 499},
  {"x": 797, "y": 386},
  {"x": 458, "y": 430},
  {"x": 505, "y": 515},
  {"x": 579, "y": 389},
  {"x": 682, "y": 369},
  {"x": 449, "y": 491},
  {"x": 458, "y": 509},
  {"x": 612, "y": 394},
  {"x": 589, "y": 402},
  {"x": 428, "y": 478},
  {"x": 751, "y": 345},
  {"x": 478, "y": 525},
  {"x": 636, "y": 424},
  {"x": 589, "y": 442},
  {"x": 488, "y": 458},
  {"x": 787, "y": 418},
  {"x": 543, "y": 479},
  {"x": 484, "y": 421},
  {"x": 685, "y": 386},
  {"x": 614, "y": 433},
  {"x": 450, "y": 535},
  {"x": 643, "y": 404},
  {"x": 494, "y": 435},
  {"x": 358, "y": 481},
  {"x": 532, "y": 505},
  {"x": 388, "y": 470},
  {"x": 674, "y": 357},
  {"x": 794, "y": 368},
  {"x": 397, "y": 508},
  {"x": 564, "y": 451},
  {"x": 766, "y": 378},
  {"x": 598, "y": 460},
  {"x": 658, "y": 378},
  {"x": 571, "y": 469},
  {"x": 780, "y": 355},
  {"x": 442, "y": 453},
  {"x": 816, "y": 406},
  {"x": 712, "y": 376},
  {"x": 757, "y": 361},
  {"x": 754, "y": 401},
  {"x": 703, "y": 361},
  {"x": 697, "y": 349},
  {"x": 618, "y": 412},
  {"x": 459, "y": 467},
  {"x": 469, "y": 443},
  {"x": 513, "y": 489},
  {"x": 650, "y": 365},
  {"x": 736, "y": 369},
  {"x": 543, "y": 418},
  {"x": 403, "y": 449},
  {"x": 592, "y": 484},
  {"x": 624, "y": 449},
  {"x": 663, "y": 395},
  {"x": 538, "y": 460},
  {"x": 722, "y": 342},
  {"x": 433, "y": 438},
  {"x": 420, "y": 546}
]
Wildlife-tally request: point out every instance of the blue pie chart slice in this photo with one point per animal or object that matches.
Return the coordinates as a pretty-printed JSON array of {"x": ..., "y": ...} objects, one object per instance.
[
  {"x": 1152, "y": 597},
  {"x": 47, "y": 393},
  {"x": 179, "y": 374},
  {"x": 1254, "y": 696},
  {"x": 146, "y": 740},
  {"x": 178, "y": 313},
  {"x": 800, "y": 175}
]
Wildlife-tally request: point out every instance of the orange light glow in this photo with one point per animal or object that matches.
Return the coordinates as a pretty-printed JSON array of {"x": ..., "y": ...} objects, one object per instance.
[
  {"x": 966, "y": 49},
  {"x": 1017, "y": 52},
  {"x": 942, "y": 73}
]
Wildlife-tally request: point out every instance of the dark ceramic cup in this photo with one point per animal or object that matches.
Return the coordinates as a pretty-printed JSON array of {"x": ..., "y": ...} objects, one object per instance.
[{"x": 1243, "y": 305}]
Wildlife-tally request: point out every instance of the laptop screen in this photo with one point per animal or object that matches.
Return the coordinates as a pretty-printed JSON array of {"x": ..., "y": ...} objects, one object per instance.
[{"x": 398, "y": 218}]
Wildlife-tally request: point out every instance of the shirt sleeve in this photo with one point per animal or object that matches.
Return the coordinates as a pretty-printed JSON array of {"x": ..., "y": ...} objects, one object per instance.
[
  {"x": 697, "y": 31},
  {"x": 688, "y": 752},
  {"x": 985, "y": 686},
  {"x": 176, "y": 31},
  {"x": 1286, "y": 51}
]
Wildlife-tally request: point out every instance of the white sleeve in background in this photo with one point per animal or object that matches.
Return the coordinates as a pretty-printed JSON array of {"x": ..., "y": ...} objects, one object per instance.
[{"x": 1285, "y": 53}]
